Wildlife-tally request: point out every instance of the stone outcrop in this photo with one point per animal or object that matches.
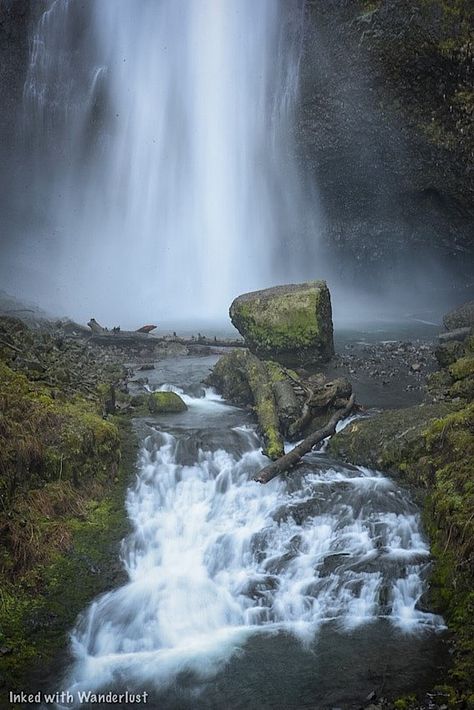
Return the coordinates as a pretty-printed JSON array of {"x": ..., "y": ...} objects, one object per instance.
[
  {"x": 291, "y": 324},
  {"x": 460, "y": 317}
]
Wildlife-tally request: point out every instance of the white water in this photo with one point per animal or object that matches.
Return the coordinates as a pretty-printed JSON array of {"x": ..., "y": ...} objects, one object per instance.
[
  {"x": 163, "y": 129},
  {"x": 215, "y": 559}
]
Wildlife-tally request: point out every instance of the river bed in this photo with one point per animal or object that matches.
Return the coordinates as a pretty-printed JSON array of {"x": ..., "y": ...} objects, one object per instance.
[{"x": 304, "y": 593}]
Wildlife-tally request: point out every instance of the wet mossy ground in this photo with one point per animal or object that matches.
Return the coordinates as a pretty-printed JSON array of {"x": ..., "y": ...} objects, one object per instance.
[
  {"x": 64, "y": 467},
  {"x": 39, "y": 608}
]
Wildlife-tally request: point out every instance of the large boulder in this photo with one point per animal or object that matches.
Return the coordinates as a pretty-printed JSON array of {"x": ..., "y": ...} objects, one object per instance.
[{"x": 291, "y": 324}]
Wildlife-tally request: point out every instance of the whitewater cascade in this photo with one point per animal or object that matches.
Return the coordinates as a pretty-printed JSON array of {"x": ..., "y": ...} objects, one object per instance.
[
  {"x": 215, "y": 559},
  {"x": 160, "y": 141}
]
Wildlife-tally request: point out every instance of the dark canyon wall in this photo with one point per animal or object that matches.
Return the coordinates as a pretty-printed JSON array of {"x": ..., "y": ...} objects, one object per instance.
[{"x": 386, "y": 129}]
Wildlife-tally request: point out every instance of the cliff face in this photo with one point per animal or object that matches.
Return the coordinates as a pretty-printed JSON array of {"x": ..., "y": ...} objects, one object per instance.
[{"x": 385, "y": 128}]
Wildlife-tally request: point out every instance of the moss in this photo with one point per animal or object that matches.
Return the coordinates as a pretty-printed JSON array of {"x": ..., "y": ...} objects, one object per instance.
[
  {"x": 265, "y": 405},
  {"x": 63, "y": 469},
  {"x": 166, "y": 403},
  {"x": 229, "y": 377},
  {"x": 39, "y": 607},
  {"x": 404, "y": 703},
  {"x": 462, "y": 368},
  {"x": 286, "y": 323}
]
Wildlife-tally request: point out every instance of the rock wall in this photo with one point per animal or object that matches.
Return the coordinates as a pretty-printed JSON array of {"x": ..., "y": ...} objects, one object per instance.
[{"x": 385, "y": 131}]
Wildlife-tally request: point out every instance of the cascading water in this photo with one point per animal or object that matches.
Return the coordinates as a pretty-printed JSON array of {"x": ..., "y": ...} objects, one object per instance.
[
  {"x": 274, "y": 579},
  {"x": 161, "y": 136}
]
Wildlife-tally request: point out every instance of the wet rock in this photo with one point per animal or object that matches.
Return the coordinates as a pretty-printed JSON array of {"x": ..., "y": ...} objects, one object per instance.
[
  {"x": 447, "y": 353},
  {"x": 460, "y": 317},
  {"x": 291, "y": 324},
  {"x": 166, "y": 403},
  {"x": 229, "y": 378}
]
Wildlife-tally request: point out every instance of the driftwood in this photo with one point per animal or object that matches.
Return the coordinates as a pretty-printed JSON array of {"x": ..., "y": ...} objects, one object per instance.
[
  {"x": 290, "y": 460},
  {"x": 131, "y": 337}
]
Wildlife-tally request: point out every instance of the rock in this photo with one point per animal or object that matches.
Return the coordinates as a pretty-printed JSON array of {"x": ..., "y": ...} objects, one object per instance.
[
  {"x": 416, "y": 366},
  {"x": 291, "y": 324},
  {"x": 166, "y": 403},
  {"x": 229, "y": 377},
  {"x": 460, "y": 317},
  {"x": 384, "y": 440},
  {"x": 458, "y": 334},
  {"x": 447, "y": 353}
]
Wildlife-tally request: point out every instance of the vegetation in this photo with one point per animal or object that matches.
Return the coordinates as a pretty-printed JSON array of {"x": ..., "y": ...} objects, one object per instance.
[{"x": 63, "y": 470}]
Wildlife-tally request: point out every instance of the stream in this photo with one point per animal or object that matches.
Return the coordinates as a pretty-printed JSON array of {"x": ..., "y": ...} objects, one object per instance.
[{"x": 303, "y": 593}]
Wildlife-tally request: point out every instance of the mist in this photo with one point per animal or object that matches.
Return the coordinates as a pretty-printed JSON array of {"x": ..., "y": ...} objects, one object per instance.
[{"x": 158, "y": 168}]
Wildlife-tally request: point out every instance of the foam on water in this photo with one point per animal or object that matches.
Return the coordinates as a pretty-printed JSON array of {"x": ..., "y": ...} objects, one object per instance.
[{"x": 215, "y": 558}]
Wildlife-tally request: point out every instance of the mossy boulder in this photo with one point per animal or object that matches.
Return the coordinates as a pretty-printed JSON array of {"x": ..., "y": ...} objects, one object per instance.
[
  {"x": 386, "y": 440},
  {"x": 166, "y": 403},
  {"x": 291, "y": 324},
  {"x": 247, "y": 381}
]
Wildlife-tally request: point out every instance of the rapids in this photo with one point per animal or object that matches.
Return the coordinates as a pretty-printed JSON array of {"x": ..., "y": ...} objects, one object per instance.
[{"x": 327, "y": 563}]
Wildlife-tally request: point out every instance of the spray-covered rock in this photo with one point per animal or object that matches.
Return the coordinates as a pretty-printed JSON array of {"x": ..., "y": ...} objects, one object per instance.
[{"x": 291, "y": 324}]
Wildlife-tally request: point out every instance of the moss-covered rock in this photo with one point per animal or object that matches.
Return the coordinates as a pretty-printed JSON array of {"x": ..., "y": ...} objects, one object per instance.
[
  {"x": 80, "y": 559},
  {"x": 291, "y": 324},
  {"x": 229, "y": 377},
  {"x": 384, "y": 441},
  {"x": 166, "y": 403},
  {"x": 245, "y": 380},
  {"x": 64, "y": 465}
]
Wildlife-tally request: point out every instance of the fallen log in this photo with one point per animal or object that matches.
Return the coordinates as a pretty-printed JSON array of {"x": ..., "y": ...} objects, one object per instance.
[{"x": 290, "y": 460}]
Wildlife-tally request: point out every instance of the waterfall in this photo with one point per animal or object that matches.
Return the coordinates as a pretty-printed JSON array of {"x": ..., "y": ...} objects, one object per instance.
[
  {"x": 215, "y": 560},
  {"x": 160, "y": 139}
]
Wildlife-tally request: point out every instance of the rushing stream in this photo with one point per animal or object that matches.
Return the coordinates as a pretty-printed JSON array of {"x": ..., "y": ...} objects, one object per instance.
[{"x": 301, "y": 593}]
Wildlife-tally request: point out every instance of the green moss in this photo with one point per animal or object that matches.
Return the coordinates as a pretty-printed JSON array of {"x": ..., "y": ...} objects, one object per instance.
[
  {"x": 265, "y": 405},
  {"x": 279, "y": 322},
  {"x": 275, "y": 372},
  {"x": 229, "y": 377},
  {"x": 404, "y": 703},
  {"x": 166, "y": 402},
  {"x": 462, "y": 368},
  {"x": 38, "y": 608}
]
